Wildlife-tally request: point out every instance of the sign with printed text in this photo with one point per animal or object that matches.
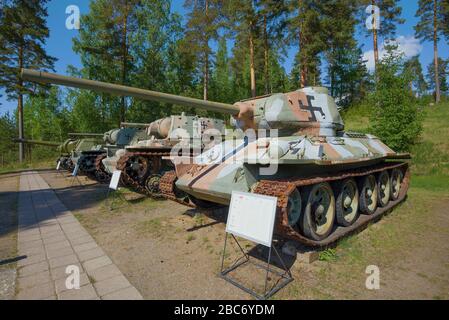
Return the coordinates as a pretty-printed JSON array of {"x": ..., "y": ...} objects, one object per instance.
[
  {"x": 75, "y": 171},
  {"x": 252, "y": 216},
  {"x": 115, "y": 180},
  {"x": 58, "y": 165}
]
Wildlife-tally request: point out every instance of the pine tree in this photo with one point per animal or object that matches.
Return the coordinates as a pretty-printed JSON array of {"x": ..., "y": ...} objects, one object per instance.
[
  {"x": 202, "y": 27},
  {"x": 242, "y": 20},
  {"x": 273, "y": 24},
  {"x": 430, "y": 28},
  {"x": 104, "y": 43},
  {"x": 23, "y": 33},
  {"x": 390, "y": 15},
  {"x": 414, "y": 70},
  {"x": 221, "y": 76},
  {"x": 443, "y": 73},
  {"x": 305, "y": 31},
  {"x": 346, "y": 70}
]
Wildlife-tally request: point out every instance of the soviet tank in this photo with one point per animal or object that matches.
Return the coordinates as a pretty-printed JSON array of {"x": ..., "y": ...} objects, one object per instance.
[
  {"x": 115, "y": 141},
  {"x": 142, "y": 162},
  {"x": 292, "y": 146},
  {"x": 88, "y": 148},
  {"x": 65, "y": 149}
]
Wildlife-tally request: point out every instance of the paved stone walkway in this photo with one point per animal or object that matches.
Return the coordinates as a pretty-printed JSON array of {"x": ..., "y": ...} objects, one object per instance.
[{"x": 50, "y": 239}]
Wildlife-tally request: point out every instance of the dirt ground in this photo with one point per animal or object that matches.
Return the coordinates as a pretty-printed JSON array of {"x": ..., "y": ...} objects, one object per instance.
[{"x": 168, "y": 251}]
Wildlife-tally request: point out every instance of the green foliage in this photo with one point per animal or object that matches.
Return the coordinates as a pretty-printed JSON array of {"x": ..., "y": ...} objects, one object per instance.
[
  {"x": 23, "y": 32},
  {"x": 328, "y": 255},
  {"x": 413, "y": 68},
  {"x": 8, "y": 149},
  {"x": 443, "y": 73},
  {"x": 395, "y": 118}
]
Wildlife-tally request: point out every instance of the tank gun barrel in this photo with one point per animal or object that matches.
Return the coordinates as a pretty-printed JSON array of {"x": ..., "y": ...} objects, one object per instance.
[
  {"x": 134, "y": 124},
  {"x": 50, "y": 78},
  {"x": 38, "y": 142},
  {"x": 82, "y": 134}
]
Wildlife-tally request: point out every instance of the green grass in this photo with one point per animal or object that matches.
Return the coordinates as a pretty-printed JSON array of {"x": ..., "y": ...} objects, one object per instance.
[{"x": 430, "y": 154}]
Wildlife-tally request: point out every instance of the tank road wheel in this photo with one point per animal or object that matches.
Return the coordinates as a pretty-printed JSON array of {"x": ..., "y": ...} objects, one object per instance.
[
  {"x": 368, "y": 195},
  {"x": 396, "y": 182},
  {"x": 347, "y": 203},
  {"x": 383, "y": 188},
  {"x": 139, "y": 168},
  {"x": 152, "y": 184},
  {"x": 294, "y": 207},
  {"x": 319, "y": 211}
]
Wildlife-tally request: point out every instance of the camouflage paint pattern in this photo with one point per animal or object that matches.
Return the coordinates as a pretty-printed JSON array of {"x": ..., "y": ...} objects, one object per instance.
[{"x": 310, "y": 140}]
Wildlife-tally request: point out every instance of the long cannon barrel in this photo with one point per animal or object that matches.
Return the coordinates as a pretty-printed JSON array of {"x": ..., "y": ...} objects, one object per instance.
[
  {"x": 81, "y": 134},
  {"x": 50, "y": 78},
  {"x": 135, "y": 124},
  {"x": 38, "y": 142}
]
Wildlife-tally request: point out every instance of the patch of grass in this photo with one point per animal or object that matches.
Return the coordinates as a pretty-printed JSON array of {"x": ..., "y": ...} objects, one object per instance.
[
  {"x": 190, "y": 237},
  {"x": 199, "y": 219},
  {"x": 154, "y": 227},
  {"x": 328, "y": 255}
]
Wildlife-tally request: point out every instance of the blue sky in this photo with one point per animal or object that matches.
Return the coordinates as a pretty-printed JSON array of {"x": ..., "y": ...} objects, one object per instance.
[{"x": 59, "y": 43}]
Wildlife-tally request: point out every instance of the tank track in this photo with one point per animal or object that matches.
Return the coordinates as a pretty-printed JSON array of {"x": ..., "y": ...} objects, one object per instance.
[
  {"x": 283, "y": 188},
  {"x": 91, "y": 157},
  {"x": 101, "y": 175},
  {"x": 127, "y": 180},
  {"x": 168, "y": 189}
]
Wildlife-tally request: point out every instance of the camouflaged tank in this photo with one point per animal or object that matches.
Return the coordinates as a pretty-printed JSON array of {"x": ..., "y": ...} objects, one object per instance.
[
  {"x": 115, "y": 141},
  {"x": 328, "y": 182},
  {"x": 142, "y": 162}
]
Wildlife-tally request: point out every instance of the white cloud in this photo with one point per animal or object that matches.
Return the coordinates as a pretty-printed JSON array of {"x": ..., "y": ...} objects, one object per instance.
[{"x": 409, "y": 46}]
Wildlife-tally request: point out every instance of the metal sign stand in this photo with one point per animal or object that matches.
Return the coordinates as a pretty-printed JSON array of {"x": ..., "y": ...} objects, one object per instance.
[
  {"x": 285, "y": 277},
  {"x": 112, "y": 190},
  {"x": 75, "y": 176},
  {"x": 58, "y": 169}
]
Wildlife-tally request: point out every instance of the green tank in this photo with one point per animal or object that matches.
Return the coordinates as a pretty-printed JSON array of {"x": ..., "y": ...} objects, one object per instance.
[
  {"x": 292, "y": 146},
  {"x": 65, "y": 148}
]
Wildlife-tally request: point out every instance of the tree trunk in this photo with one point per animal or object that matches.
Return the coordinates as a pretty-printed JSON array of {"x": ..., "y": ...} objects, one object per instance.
[
  {"x": 206, "y": 58},
  {"x": 125, "y": 58},
  {"x": 20, "y": 107},
  {"x": 302, "y": 67},
  {"x": 435, "y": 52},
  {"x": 266, "y": 57},
  {"x": 375, "y": 41},
  {"x": 251, "y": 60}
]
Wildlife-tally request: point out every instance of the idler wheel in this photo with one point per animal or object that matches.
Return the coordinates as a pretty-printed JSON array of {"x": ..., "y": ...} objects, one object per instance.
[
  {"x": 396, "y": 183},
  {"x": 152, "y": 184},
  {"x": 383, "y": 188},
  {"x": 347, "y": 204},
  {"x": 319, "y": 211},
  {"x": 368, "y": 195}
]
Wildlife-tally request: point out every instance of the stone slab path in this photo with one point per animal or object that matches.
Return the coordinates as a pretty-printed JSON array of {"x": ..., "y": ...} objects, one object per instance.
[{"x": 50, "y": 239}]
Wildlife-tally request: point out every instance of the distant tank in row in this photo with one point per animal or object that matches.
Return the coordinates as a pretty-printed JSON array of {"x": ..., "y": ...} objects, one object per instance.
[
  {"x": 142, "y": 161},
  {"x": 328, "y": 182}
]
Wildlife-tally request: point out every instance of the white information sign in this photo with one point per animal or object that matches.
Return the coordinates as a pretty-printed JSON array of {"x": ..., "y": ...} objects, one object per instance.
[
  {"x": 58, "y": 165},
  {"x": 115, "y": 180},
  {"x": 75, "y": 171},
  {"x": 251, "y": 216}
]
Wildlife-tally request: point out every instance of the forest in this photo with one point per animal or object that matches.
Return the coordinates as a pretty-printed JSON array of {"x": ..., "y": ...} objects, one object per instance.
[{"x": 221, "y": 51}]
